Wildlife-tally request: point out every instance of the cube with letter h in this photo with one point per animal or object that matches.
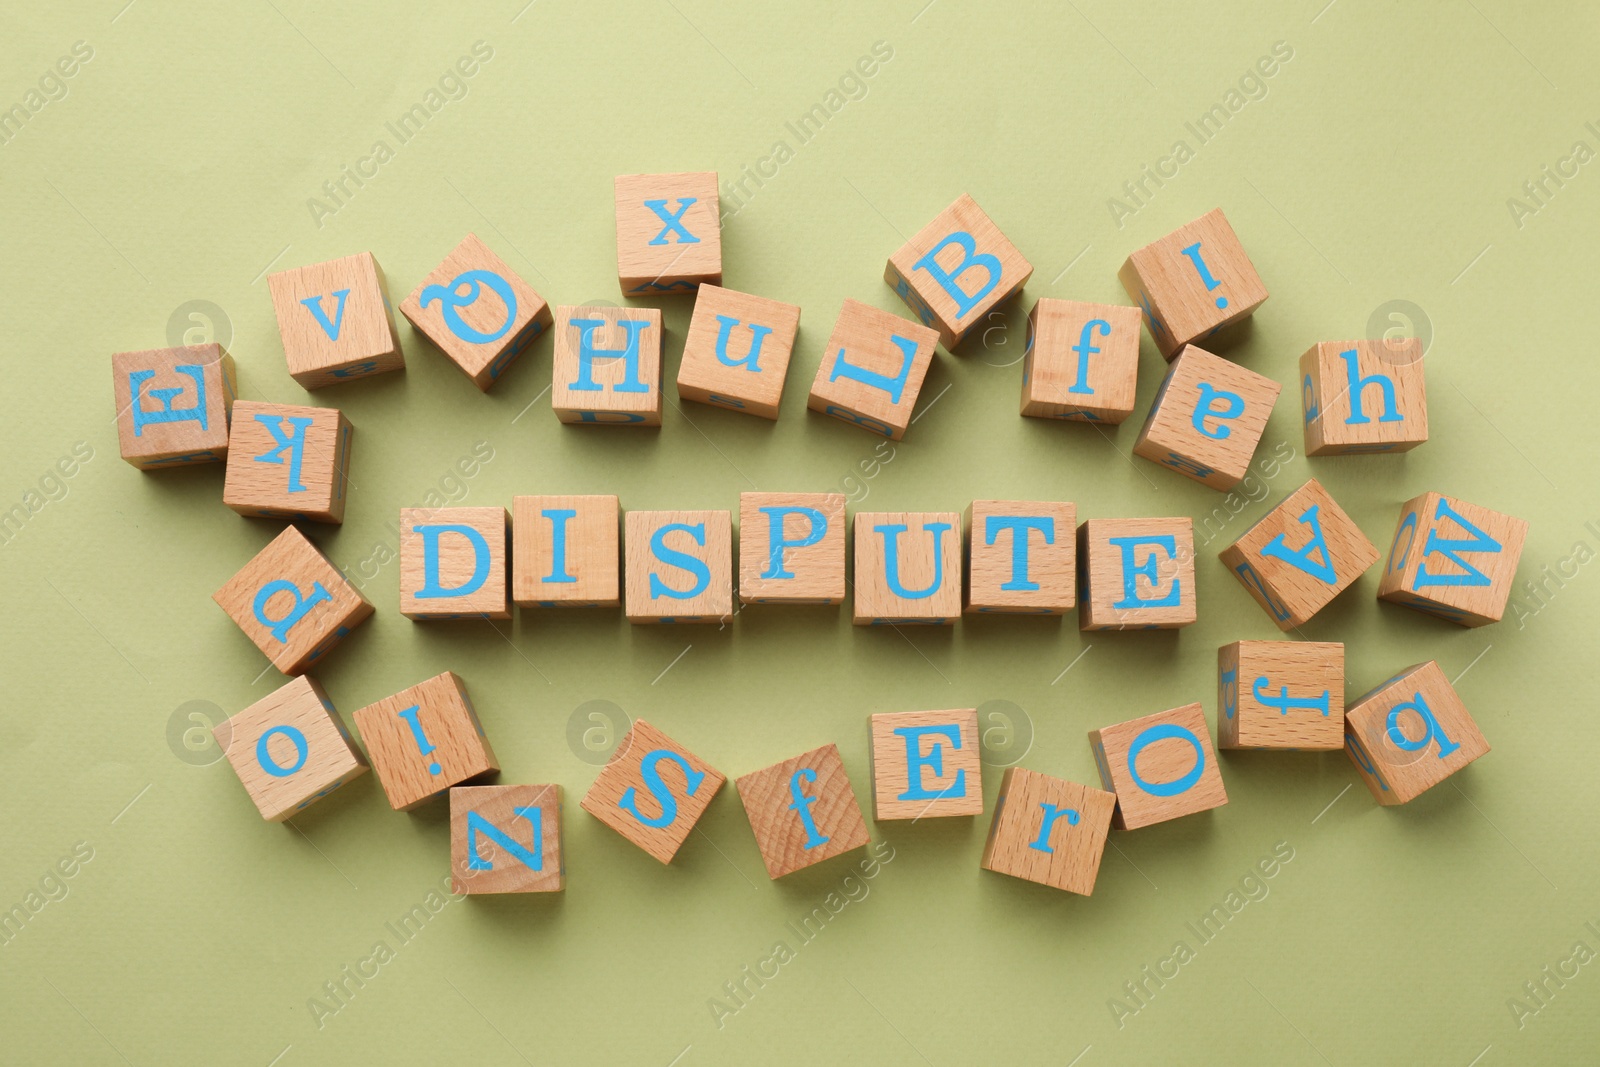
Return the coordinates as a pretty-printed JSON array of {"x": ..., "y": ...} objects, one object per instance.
[
  {"x": 925, "y": 764},
  {"x": 872, "y": 370},
  {"x": 335, "y": 321},
  {"x": 565, "y": 551},
  {"x": 1082, "y": 361},
  {"x": 453, "y": 563},
  {"x": 1160, "y": 766},
  {"x": 791, "y": 548},
  {"x": 1364, "y": 396},
  {"x": 736, "y": 354},
  {"x": 1192, "y": 282},
  {"x": 802, "y": 811},
  {"x": 290, "y": 749},
  {"x": 1280, "y": 695},
  {"x": 1410, "y": 733},
  {"x": 908, "y": 568},
  {"x": 607, "y": 366},
  {"x": 652, "y": 791},
  {"x": 173, "y": 405},
  {"x": 425, "y": 739},
  {"x": 1048, "y": 830},
  {"x": 1453, "y": 559},
  {"x": 506, "y": 839},
  {"x": 1207, "y": 419},
  {"x": 1022, "y": 557},
  {"x": 669, "y": 232},
  {"x": 679, "y": 566},
  {"x": 1136, "y": 574},
  {"x": 288, "y": 462},
  {"x": 956, "y": 269}
]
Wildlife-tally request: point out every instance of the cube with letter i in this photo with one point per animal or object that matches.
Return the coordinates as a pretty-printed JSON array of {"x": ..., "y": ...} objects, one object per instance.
[
  {"x": 290, "y": 749},
  {"x": 506, "y": 839},
  {"x": 453, "y": 563},
  {"x": 791, "y": 548},
  {"x": 653, "y": 791},
  {"x": 669, "y": 232},
  {"x": 908, "y": 568},
  {"x": 288, "y": 462},
  {"x": 1280, "y": 695},
  {"x": 1364, "y": 396},
  {"x": 1160, "y": 766},
  {"x": 335, "y": 321},
  {"x": 607, "y": 366},
  {"x": 425, "y": 739},
  {"x": 1192, "y": 282},
  {"x": 1207, "y": 419},
  {"x": 1453, "y": 559},
  {"x": 1048, "y": 830},
  {"x": 925, "y": 764},
  {"x": 1410, "y": 733},
  {"x": 1021, "y": 557},
  {"x": 173, "y": 405},
  {"x": 566, "y": 551},
  {"x": 1136, "y": 574},
  {"x": 1082, "y": 361},
  {"x": 956, "y": 269},
  {"x": 802, "y": 811},
  {"x": 679, "y": 566},
  {"x": 736, "y": 354},
  {"x": 872, "y": 370}
]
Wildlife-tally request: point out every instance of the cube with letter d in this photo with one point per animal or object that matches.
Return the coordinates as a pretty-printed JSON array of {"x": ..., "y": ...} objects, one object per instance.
[{"x": 453, "y": 563}]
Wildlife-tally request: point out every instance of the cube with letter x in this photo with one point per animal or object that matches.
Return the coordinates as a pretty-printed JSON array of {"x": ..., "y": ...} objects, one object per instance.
[{"x": 669, "y": 232}]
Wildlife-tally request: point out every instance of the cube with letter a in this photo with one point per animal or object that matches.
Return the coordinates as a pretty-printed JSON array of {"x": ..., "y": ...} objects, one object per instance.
[
  {"x": 791, "y": 548},
  {"x": 653, "y": 791},
  {"x": 1136, "y": 574},
  {"x": 736, "y": 355},
  {"x": 290, "y": 749},
  {"x": 1160, "y": 766},
  {"x": 1082, "y": 361},
  {"x": 566, "y": 551},
  {"x": 1280, "y": 695},
  {"x": 925, "y": 764},
  {"x": 1453, "y": 559},
  {"x": 335, "y": 321},
  {"x": 872, "y": 370},
  {"x": 908, "y": 568},
  {"x": 506, "y": 839},
  {"x": 802, "y": 811},
  {"x": 1364, "y": 396},
  {"x": 1021, "y": 557},
  {"x": 1410, "y": 733},
  {"x": 1207, "y": 419},
  {"x": 1192, "y": 282},
  {"x": 679, "y": 566},
  {"x": 425, "y": 739},
  {"x": 288, "y": 462},
  {"x": 669, "y": 232},
  {"x": 606, "y": 367},
  {"x": 453, "y": 563},
  {"x": 1048, "y": 830},
  {"x": 956, "y": 269},
  {"x": 173, "y": 405}
]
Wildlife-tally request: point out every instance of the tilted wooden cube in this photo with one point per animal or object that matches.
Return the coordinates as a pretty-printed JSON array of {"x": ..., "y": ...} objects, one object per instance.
[
  {"x": 1363, "y": 396},
  {"x": 1280, "y": 694},
  {"x": 506, "y": 839},
  {"x": 173, "y": 405},
  {"x": 1453, "y": 559},
  {"x": 791, "y": 548},
  {"x": 288, "y": 462},
  {"x": 425, "y": 739},
  {"x": 1410, "y": 733},
  {"x": 477, "y": 311},
  {"x": 1082, "y": 361},
  {"x": 736, "y": 355},
  {"x": 669, "y": 232},
  {"x": 453, "y": 563},
  {"x": 1300, "y": 555},
  {"x": 1160, "y": 766},
  {"x": 802, "y": 811},
  {"x": 956, "y": 270},
  {"x": 1048, "y": 830},
  {"x": 292, "y": 603},
  {"x": 1192, "y": 282},
  {"x": 290, "y": 749},
  {"x": 908, "y": 567},
  {"x": 566, "y": 551},
  {"x": 607, "y": 366},
  {"x": 1136, "y": 574},
  {"x": 1207, "y": 419},
  {"x": 336, "y": 321},
  {"x": 653, "y": 791},
  {"x": 925, "y": 764},
  {"x": 1021, "y": 557},
  {"x": 679, "y": 566},
  {"x": 872, "y": 370}
]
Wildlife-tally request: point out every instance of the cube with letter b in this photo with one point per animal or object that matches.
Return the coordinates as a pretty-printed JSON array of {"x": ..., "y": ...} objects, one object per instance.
[
  {"x": 791, "y": 548},
  {"x": 1160, "y": 766},
  {"x": 669, "y": 232},
  {"x": 802, "y": 811},
  {"x": 506, "y": 839},
  {"x": 173, "y": 405},
  {"x": 1021, "y": 557},
  {"x": 925, "y": 764},
  {"x": 565, "y": 551},
  {"x": 736, "y": 355},
  {"x": 453, "y": 563},
  {"x": 1410, "y": 733},
  {"x": 290, "y": 749},
  {"x": 908, "y": 568},
  {"x": 1192, "y": 282},
  {"x": 288, "y": 462},
  {"x": 956, "y": 269},
  {"x": 1207, "y": 419},
  {"x": 872, "y": 370},
  {"x": 335, "y": 321},
  {"x": 607, "y": 366},
  {"x": 425, "y": 739},
  {"x": 1364, "y": 396},
  {"x": 679, "y": 566},
  {"x": 1082, "y": 361},
  {"x": 652, "y": 791},
  {"x": 1048, "y": 830},
  {"x": 1136, "y": 574},
  {"x": 1453, "y": 559},
  {"x": 1280, "y": 694}
]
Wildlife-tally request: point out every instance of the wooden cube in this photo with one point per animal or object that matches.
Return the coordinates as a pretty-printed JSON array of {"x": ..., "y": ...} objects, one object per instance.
[
  {"x": 669, "y": 232},
  {"x": 872, "y": 370},
  {"x": 1160, "y": 766},
  {"x": 425, "y": 739},
  {"x": 453, "y": 563},
  {"x": 803, "y": 811},
  {"x": 607, "y": 366},
  {"x": 1300, "y": 555},
  {"x": 1410, "y": 733},
  {"x": 506, "y": 839},
  {"x": 1021, "y": 557},
  {"x": 1048, "y": 830},
  {"x": 1192, "y": 282},
  {"x": 1082, "y": 361},
  {"x": 288, "y": 462},
  {"x": 908, "y": 568},
  {"x": 791, "y": 548},
  {"x": 1364, "y": 396},
  {"x": 335, "y": 321},
  {"x": 1136, "y": 574},
  {"x": 678, "y": 784},
  {"x": 1207, "y": 419},
  {"x": 477, "y": 311},
  {"x": 290, "y": 749},
  {"x": 1453, "y": 559},
  {"x": 736, "y": 354},
  {"x": 925, "y": 764},
  {"x": 292, "y": 602},
  {"x": 957, "y": 268},
  {"x": 173, "y": 405},
  {"x": 566, "y": 551},
  {"x": 1280, "y": 694},
  {"x": 679, "y": 566}
]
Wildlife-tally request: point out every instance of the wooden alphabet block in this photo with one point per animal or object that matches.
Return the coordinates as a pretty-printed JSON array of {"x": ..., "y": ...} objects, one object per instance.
[
  {"x": 566, "y": 551},
  {"x": 1160, "y": 766},
  {"x": 1364, "y": 396},
  {"x": 1136, "y": 574},
  {"x": 288, "y": 462},
  {"x": 803, "y": 811},
  {"x": 1300, "y": 555},
  {"x": 678, "y": 784},
  {"x": 956, "y": 269},
  {"x": 1207, "y": 419},
  {"x": 1280, "y": 694},
  {"x": 506, "y": 839},
  {"x": 872, "y": 370},
  {"x": 1453, "y": 559},
  {"x": 925, "y": 764},
  {"x": 425, "y": 739},
  {"x": 173, "y": 405},
  {"x": 453, "y": 563},
  {"x": 1082, "y": 362},
  {"x": 290, "y": 749},
  {"x": 679, "y": 566},
  {"x": 336, "y": 321},
  {"x": 736, "y": 354},
  {"x": 669, "y": 232},
  {"x": 607, "y": 366},
  {"x": 477, "y": 311},
  {"x": 292, "y": 602},
  {"x": 1410, "y": 733},
  {"x": 1048, "y": 830},
  {"x": 908, "y": 568},
  {"x": 791, "y": 548},
  {"x": 1192, "y": 282},
  {"x": 1021, "y": 557}
]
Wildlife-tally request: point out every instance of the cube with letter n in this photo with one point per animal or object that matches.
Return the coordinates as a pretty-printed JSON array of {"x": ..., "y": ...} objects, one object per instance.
[{"x": 506, "y": 839}]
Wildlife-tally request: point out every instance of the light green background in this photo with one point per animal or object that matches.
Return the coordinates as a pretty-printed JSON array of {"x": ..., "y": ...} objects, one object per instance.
[{"x": 1377, "y": 167}]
